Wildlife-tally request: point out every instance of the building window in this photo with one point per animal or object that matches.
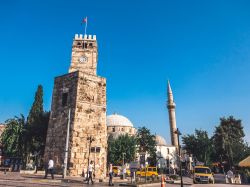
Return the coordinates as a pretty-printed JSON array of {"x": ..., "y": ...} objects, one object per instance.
[
  {"x": 85, "y": 45},
  {"x": 168, "y": 150},
  {"x": 95, "y": 149},
  {"x": 64, "y": 99},
  {"x": 122, "y": 129},
  {"x": 92, "y": 149},
  {"x": 113, "y": 129},
  {"x": 98, "y": 149}
]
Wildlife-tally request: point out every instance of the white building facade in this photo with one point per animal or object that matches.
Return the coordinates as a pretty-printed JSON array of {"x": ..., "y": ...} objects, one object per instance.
[{"x": 166, "y": 155}]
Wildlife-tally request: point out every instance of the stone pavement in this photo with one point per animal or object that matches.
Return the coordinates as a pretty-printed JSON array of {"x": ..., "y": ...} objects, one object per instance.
[
  {"x": 17, "y": 179},
  {"x": 36, "y": 180}
]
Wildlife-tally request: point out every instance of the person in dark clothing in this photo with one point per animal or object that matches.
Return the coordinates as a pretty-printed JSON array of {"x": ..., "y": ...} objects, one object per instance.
[{"x": 110, "y": 175}]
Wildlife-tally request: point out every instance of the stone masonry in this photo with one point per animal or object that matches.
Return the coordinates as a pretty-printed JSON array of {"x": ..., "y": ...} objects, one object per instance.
[{"x": 84, "y": 93}]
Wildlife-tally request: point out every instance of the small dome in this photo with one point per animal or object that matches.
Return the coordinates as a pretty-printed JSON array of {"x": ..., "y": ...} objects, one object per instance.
[
  {"x": 160, "y": 140},
  {"x": 118, "y": 120}
]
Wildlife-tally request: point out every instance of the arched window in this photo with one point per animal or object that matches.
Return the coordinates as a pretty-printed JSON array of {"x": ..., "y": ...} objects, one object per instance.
[{"x": 113, "y": 129}]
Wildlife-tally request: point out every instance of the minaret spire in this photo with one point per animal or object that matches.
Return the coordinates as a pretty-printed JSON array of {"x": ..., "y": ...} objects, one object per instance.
[
  {"x": 172, "y": 119},
  {"x": 170, "y": 94}
]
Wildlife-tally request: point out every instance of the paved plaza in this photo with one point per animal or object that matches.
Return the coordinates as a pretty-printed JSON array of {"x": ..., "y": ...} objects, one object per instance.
[{"x": 15, "y": 179}]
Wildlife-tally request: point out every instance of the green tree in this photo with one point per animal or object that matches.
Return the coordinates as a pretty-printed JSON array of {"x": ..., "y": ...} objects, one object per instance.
[
  {"x": 36, "y": 129},
  {"x": 122, "y": 144},
  {"x": 199, "y": 145},
  {"x": 38, "y": 132},
  {"x": 12, "y": 137},
  {"x": 146, "y": 143},
  {"x": 229, "y": 142},
  {"x": 37, "y": 106}
]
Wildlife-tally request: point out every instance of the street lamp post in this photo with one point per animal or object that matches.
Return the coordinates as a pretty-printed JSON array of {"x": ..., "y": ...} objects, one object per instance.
[
  {"x": 123, "y": 167},
  {"x": 90, "y": 139},
  {"x": 179, "y": 150},
  {"x": 65, "y": 165},
  {"x": 123, "y": 158}
]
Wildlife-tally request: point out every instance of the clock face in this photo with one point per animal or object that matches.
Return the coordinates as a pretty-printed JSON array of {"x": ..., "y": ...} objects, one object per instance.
[{"x": 83, "y": 59}]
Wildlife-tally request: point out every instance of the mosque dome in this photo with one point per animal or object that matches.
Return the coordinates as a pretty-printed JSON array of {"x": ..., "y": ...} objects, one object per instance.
[
  {"x": 160, "y": 140},
  {"x": 118, "y": 120}
]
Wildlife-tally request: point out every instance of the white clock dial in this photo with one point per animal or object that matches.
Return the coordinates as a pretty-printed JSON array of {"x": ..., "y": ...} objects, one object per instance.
[{"x": 83, "y": 59}]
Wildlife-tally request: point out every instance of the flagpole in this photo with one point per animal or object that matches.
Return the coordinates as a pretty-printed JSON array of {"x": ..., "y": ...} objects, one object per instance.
[{"x": 86, "y": 26}]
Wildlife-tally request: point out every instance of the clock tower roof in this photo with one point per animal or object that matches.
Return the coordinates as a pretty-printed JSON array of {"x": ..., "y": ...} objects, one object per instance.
[{"x": 85, "y": 37}]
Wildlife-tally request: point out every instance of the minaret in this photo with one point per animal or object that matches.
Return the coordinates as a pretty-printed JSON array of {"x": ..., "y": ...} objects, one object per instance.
[{"x": 172, "y": 119}]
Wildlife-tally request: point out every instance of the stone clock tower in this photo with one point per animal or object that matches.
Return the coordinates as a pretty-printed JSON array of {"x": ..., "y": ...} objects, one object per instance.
[
  {"x": 83, "y": 93},
  {"x": 84, "y": 54}
]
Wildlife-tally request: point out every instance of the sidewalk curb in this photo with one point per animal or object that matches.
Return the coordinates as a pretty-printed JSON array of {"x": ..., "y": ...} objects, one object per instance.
[{"x": 150, "y": 184}]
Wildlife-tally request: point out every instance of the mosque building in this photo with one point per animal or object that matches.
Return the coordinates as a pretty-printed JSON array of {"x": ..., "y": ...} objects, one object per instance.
[
  {"x": 166, "y": 154},
  {"x": 119, "y": 125}
]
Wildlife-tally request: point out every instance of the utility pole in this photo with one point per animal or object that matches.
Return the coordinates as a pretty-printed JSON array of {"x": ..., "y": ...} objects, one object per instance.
[
  {"x": 179, "y": 150},
  {"x": 123, "y": 167},
  {"x": 66, "y": 148},
  {"x": 123, "y": 158}
]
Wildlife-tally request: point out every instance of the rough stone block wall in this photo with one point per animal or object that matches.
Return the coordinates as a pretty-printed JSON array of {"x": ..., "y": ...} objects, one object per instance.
[
  {"x": 90, "y": 121},
  {"x": 87, "y": 100},
  {"x": 57, "y": 128}
]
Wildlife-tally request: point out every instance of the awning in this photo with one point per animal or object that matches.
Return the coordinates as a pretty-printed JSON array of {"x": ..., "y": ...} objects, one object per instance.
[{"x": 245, "y": 162}]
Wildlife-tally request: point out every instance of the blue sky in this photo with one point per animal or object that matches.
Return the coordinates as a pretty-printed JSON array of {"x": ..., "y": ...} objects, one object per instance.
[{"x": 202, "y": 47}]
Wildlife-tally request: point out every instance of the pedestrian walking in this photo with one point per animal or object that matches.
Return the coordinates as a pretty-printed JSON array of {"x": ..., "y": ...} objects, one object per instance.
[
  {"x": 110, "y": 175},
  {"x": 237, "y": 178},
  {"x": 90, "y": 172},
  {"x": 50, "y": 168},
  {"x": 230, "y": 176}
]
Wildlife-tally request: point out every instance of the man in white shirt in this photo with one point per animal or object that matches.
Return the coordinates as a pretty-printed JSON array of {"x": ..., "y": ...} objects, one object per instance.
[
  {"x": 230, "y": 176},
  {"x": 50, "y": 168},
  {"x": 90, "y": 171}
]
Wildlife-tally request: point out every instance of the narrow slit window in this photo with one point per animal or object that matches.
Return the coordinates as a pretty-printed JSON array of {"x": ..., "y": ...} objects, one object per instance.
[{"x": 64, "y": 99}]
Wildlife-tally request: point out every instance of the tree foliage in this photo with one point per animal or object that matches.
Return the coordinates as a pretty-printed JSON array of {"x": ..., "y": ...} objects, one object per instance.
[
  {"x": 12, "y": 138},
  {"x": 122, "y": 144},
  {"x": 146, "y": 143},
  {"x": 23, "y": 138},
  {"x": 37, "y": 124},
  {"x": 199, "y": 145},
  {"x": 37, "y": 106},
  {"x": 228, "y": 141},
  {"x": 38, "y": 131}
]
